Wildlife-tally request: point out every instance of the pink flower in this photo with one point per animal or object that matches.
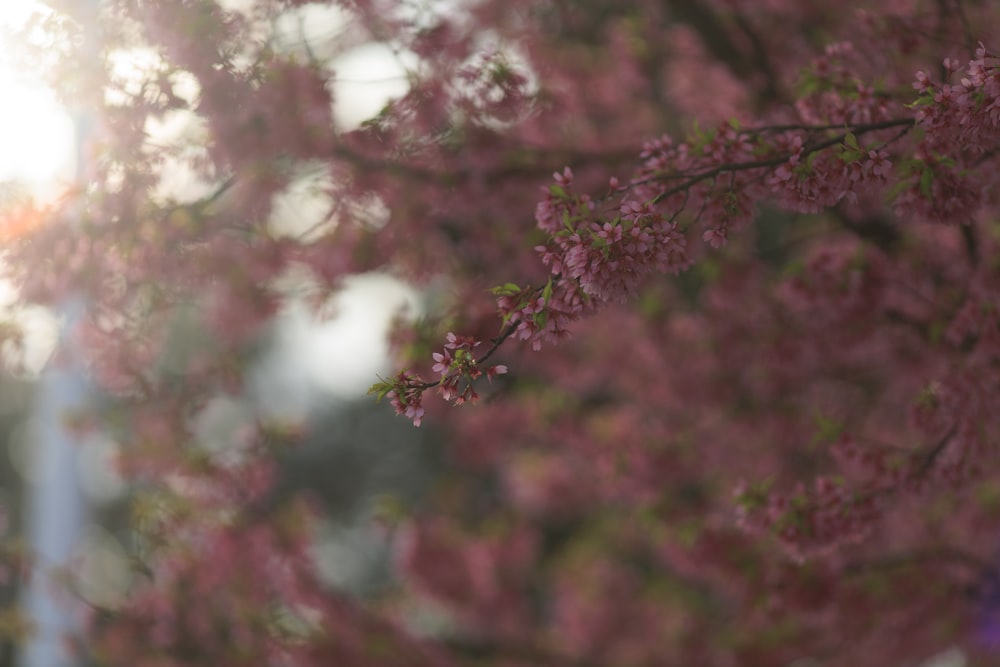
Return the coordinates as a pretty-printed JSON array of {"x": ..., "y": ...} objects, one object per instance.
[{"x": 443, "y": 360}]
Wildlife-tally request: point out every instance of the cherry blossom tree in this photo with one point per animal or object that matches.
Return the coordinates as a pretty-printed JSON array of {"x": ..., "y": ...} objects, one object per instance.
[{"x": 720, "y": 278}]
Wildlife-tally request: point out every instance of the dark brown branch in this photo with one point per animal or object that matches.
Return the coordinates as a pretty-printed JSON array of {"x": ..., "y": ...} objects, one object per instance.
[
  {"x": 486, "y": 652},
  {"x": 772, "y": 90},
  {"x": 506, "y": 333},
  {"x": 941, "y": 555},
  {"x": 971, "y": 243},
  {"x": 874, "y": 228},
  {"x": 694, "y": 179},
  {"x": 718, "y": 41},
  {"x": 525, "y": 162}
]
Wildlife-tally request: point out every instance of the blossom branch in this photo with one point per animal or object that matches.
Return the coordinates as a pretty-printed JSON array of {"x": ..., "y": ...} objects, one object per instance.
[{"x": 694, "y": 179}]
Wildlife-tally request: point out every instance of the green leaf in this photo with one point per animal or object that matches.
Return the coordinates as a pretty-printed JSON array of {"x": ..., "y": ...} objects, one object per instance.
[
  {"x": 924, "y": 100},
  {"x": 828, "y": 429},
  {"x": 896, "y": 190},
  {"x": 808, "y": 84},
  {"x": 936, "y": 330},
  {"x": 380, "y": 389},
  {"x": 928, "y": 397},
  {"x": 756, "y": 496},
  {"x": 710, "y": 270},
  {"x": 926, "y": 181},
  {"x": 547, "y": 291},
  {"x": 850, "y": 156},
  {"x": 507, "y": 289},
  {"x": 557, "y": 191}
]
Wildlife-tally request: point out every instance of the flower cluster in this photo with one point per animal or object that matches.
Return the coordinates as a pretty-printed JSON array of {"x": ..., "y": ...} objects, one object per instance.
[
  {"x": 965, "y": 115},
  {"x": 405, "y": 393},
  {"x": 492, "y": 89},
  {"x": 542, "y": 315},
  {"x": 812, "y": 182},
  {"x": 810, "y": 522},
  {"x": 961, "y": 124},
  {"x": 608, "y": 258},
  {"x": 835, "y": 93},
  {"x": 458, "y": 369},
  {"x": 561, "y": 205},
  {"x": 457, "y": 363},
  {"x": 935, "y": 188}
]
